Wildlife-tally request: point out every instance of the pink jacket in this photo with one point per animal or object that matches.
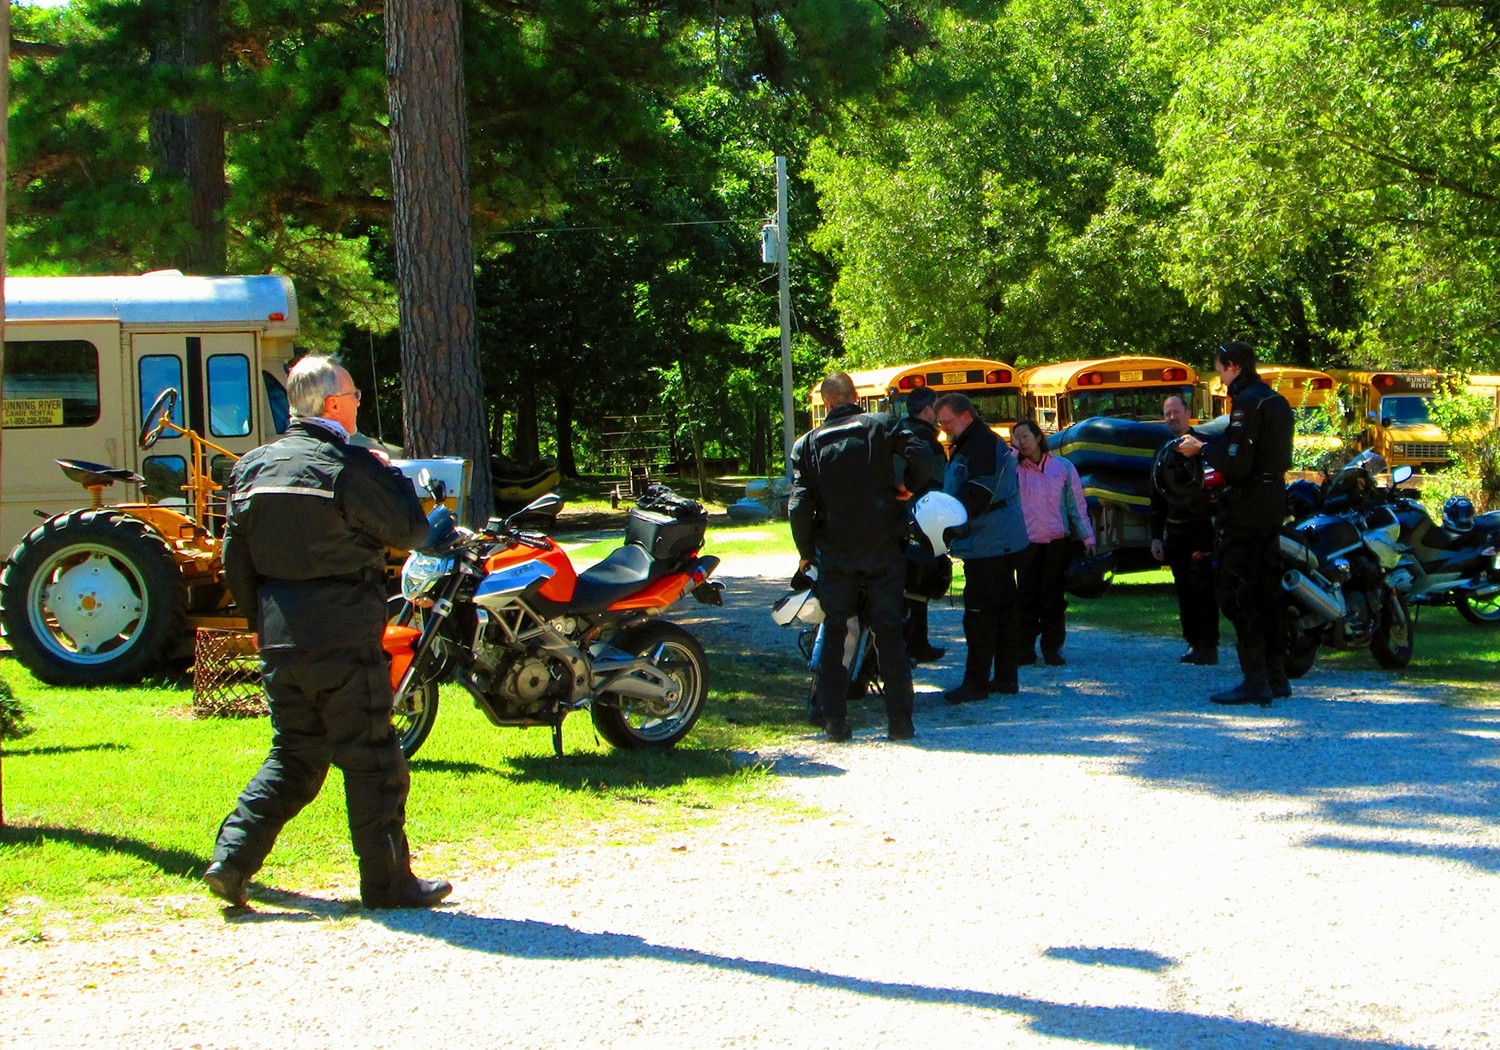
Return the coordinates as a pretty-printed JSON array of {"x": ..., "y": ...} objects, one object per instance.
[{"x": 1045, "y": 487}]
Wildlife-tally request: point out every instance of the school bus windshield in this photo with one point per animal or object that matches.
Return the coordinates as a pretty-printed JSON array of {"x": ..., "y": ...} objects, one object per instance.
[
  {"x": 1137, "y": 403},
  {"x": 1001, "y": 406},
  {"x": 1405, "y": 408}
]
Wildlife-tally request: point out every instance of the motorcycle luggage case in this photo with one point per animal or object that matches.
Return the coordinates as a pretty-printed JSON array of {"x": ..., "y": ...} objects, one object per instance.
[{"x": 666, "y": 536}]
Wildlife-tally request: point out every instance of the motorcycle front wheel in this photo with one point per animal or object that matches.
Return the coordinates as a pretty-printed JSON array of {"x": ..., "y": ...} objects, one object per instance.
[
  {"x": 413, "y": 719},
  {"x": 1392, "y": 645},
  {"x": 630, "y": 723},
  {"x": 1480, "y": 613},
  {"x": 1301, "y": 652}
]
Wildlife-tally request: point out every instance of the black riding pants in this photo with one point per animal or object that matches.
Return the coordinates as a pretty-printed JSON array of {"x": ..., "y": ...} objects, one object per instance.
[
  {"x": 326, "y": 708},
  {"x": 1189, "y": 549},
  {"x": 991, "y": 623},
  {"x": 874, "y": 590},
  {"x": 1250, "y": 590}
]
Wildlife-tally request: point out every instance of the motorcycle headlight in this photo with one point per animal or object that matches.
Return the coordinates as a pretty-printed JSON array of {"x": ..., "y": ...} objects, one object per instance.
[{"x": 422, "y": 572}]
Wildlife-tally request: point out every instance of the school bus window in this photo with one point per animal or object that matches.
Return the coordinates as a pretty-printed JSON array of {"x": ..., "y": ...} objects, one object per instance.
[
  {"x": 157, "y": 373},
  {"x": 229, "y": 395},
  {"x": 281, "y": 409},
  {"x": 165, "y": 477},
  {"x": 51, "y": 383}
]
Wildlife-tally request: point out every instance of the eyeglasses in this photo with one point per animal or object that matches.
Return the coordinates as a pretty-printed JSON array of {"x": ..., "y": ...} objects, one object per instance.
[{"x": 355, "y": 393}]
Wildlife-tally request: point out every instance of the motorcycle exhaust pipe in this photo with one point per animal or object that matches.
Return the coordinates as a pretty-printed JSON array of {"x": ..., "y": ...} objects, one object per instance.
[
  {"x": 1298, "y": 555},
  {"x": 1314, "y": 598}
]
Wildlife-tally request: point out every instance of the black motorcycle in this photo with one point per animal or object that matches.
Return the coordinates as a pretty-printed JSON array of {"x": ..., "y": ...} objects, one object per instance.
[{"x": 1349, "y": 576}]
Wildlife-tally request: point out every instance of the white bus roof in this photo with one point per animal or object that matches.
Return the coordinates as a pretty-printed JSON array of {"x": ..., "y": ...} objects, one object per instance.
[{"x": 166, "y": 297}]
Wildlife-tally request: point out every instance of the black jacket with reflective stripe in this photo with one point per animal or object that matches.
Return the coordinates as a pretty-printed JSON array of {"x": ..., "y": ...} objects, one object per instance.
[{"x": 310, "y": 517}]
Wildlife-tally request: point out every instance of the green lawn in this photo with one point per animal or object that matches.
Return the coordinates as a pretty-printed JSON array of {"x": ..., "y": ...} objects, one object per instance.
[
  {"x": 1448, "y": 648},
  {"x": 112, "y": 802}
]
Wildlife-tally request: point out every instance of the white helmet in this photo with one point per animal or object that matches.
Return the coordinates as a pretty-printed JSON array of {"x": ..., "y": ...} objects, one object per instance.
[
  {"x": 935, "y": 513},
  {"x": 797, "y": 607}
]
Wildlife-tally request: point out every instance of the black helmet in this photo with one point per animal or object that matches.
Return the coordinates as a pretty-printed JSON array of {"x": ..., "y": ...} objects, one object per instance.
[
  {"x": 1302, "y": 498},
  {"x": 1180, "y": 479},
  {"x": 927, "y": 577},
  {"x": 1458, "y": 513},
  {"x": 1088, "y": 574}
]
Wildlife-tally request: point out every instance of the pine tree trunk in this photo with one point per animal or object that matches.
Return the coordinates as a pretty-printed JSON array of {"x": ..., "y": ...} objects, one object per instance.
[
  {"x": 441, "y": 385},
  {"x": 190, "y": 146}
]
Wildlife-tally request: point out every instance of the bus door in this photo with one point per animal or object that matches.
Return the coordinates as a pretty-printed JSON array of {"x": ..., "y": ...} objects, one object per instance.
[{"x": 219, "y": 396}]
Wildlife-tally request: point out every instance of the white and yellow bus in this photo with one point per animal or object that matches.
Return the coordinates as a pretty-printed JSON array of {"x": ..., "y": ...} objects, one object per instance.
[
  {"x": 1393, "y": 409},
  {"x": 1128, "y": 387},
  {"x": 991, "y": 385}
]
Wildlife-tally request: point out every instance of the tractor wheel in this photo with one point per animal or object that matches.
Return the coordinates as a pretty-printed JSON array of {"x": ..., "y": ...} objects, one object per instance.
[{"x": 92, "y": 596}]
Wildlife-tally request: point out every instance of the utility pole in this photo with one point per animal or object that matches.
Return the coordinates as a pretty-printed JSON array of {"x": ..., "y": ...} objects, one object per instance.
[
  {"x": 4, "y": 174},
  {"x": 788, "y": 422}
]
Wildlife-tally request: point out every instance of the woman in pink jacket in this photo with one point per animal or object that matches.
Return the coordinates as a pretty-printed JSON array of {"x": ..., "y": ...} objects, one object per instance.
[{"x": 1056, "y": 520}]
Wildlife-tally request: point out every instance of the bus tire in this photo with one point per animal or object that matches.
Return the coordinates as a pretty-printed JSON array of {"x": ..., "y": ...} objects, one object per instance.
[{"x": 90, "y": 597}]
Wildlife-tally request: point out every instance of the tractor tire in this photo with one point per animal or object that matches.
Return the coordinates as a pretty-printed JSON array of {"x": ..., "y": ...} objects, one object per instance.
[{"x": 91, "y": 597}]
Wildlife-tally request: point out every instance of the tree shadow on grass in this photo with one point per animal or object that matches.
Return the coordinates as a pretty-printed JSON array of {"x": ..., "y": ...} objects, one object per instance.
[
  {"x": 1100, "y": 1025},
  {"x": 62, "y": 749},
  {"x": 169, "y": 861}
]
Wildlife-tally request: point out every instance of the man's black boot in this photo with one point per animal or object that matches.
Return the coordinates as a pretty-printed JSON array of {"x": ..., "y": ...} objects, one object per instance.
[
  {"x": 1281, "y": 688},
  {"x": 1245, "y": 693},
  {"x": 901, "y": 729},
  {"x": 1202, "y": 655},
  {"x": 964, "y": 693},
  {"x": 228, "y": 883},
  {"x": 414, "y": 893},
  {"x": 837, "y": 730},
  {"x": 924, "y": 653}
]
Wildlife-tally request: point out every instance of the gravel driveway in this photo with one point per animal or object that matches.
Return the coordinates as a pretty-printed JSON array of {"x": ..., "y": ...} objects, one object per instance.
[{"x": 1103, "y": 860}]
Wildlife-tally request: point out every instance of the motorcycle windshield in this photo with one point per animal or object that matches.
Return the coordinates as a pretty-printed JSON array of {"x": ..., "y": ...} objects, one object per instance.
[{"x": 1355, "y": 479}]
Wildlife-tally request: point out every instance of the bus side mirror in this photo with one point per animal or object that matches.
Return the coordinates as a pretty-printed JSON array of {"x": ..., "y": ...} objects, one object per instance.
[{"x": 1386, "y": 421}]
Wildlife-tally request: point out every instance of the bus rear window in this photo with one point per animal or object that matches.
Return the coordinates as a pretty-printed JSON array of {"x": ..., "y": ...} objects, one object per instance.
[{"x": 51, "y": 383}]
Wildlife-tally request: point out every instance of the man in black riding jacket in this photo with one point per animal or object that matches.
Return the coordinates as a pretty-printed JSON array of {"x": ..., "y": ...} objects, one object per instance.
[
  {"x": 1254, "y": 454},
  {"x": 1182, "y": 536},
  {"x": 845, "y": 514},
  {"x": 310, "y": 517},
  {"x": 921, "y": 439}
]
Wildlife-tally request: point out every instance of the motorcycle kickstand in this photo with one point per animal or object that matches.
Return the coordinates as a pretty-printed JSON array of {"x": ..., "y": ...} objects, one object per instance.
[{"x": 557, "y": 738}]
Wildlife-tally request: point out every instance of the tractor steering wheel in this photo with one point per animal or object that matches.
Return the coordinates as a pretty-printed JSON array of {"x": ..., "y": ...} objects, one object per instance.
[{"x": 158, "y": 417}]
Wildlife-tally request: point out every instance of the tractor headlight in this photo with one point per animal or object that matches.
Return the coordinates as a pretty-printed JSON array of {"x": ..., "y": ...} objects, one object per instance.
[{"x": 422, "y": 572}]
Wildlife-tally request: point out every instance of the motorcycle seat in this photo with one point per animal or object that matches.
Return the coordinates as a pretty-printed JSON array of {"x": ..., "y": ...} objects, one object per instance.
[{"x": 627, "y": 569}]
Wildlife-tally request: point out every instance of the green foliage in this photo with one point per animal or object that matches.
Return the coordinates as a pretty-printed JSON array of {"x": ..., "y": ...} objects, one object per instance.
[
  {"x": 1474, "y": 442},
  {"x": 13, "y": 722},
  {"x": 1298, "y": 120}
]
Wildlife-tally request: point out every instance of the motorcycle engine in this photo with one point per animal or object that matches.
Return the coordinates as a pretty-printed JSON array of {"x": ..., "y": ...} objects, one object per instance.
[{"x": 521, "y": 682}]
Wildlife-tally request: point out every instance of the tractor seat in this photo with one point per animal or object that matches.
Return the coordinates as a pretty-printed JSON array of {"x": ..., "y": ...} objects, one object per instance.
[{"x": 90, "y": 475}]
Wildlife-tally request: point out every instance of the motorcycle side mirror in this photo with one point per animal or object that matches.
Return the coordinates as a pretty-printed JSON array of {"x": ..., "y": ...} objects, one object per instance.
[
  {"x": 434, "y": 486},
  {"x": 1401, "y": 475},
  {"x": 546, "y": 504}
]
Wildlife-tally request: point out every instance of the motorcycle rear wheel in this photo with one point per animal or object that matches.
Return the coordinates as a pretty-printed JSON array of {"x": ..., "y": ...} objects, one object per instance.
[
  {"x": 624, "y": 721},
  {"x": 1480, "y": 613},
  {"x": 1392, "y": 643}
]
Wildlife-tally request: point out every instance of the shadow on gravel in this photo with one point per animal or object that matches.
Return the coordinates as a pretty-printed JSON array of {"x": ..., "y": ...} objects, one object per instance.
[
  {"x": 1391, "y": 757},
  {"x": 1100, "y": 1025}
]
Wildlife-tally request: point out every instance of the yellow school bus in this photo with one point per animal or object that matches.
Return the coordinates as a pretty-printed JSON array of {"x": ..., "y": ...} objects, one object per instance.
[
  {"x": 991, "y": 385},
  {"x": 1060, "y": 394},
  {"x": 1487, "y": 387},
  {"x": 1392, "y": 406}
]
